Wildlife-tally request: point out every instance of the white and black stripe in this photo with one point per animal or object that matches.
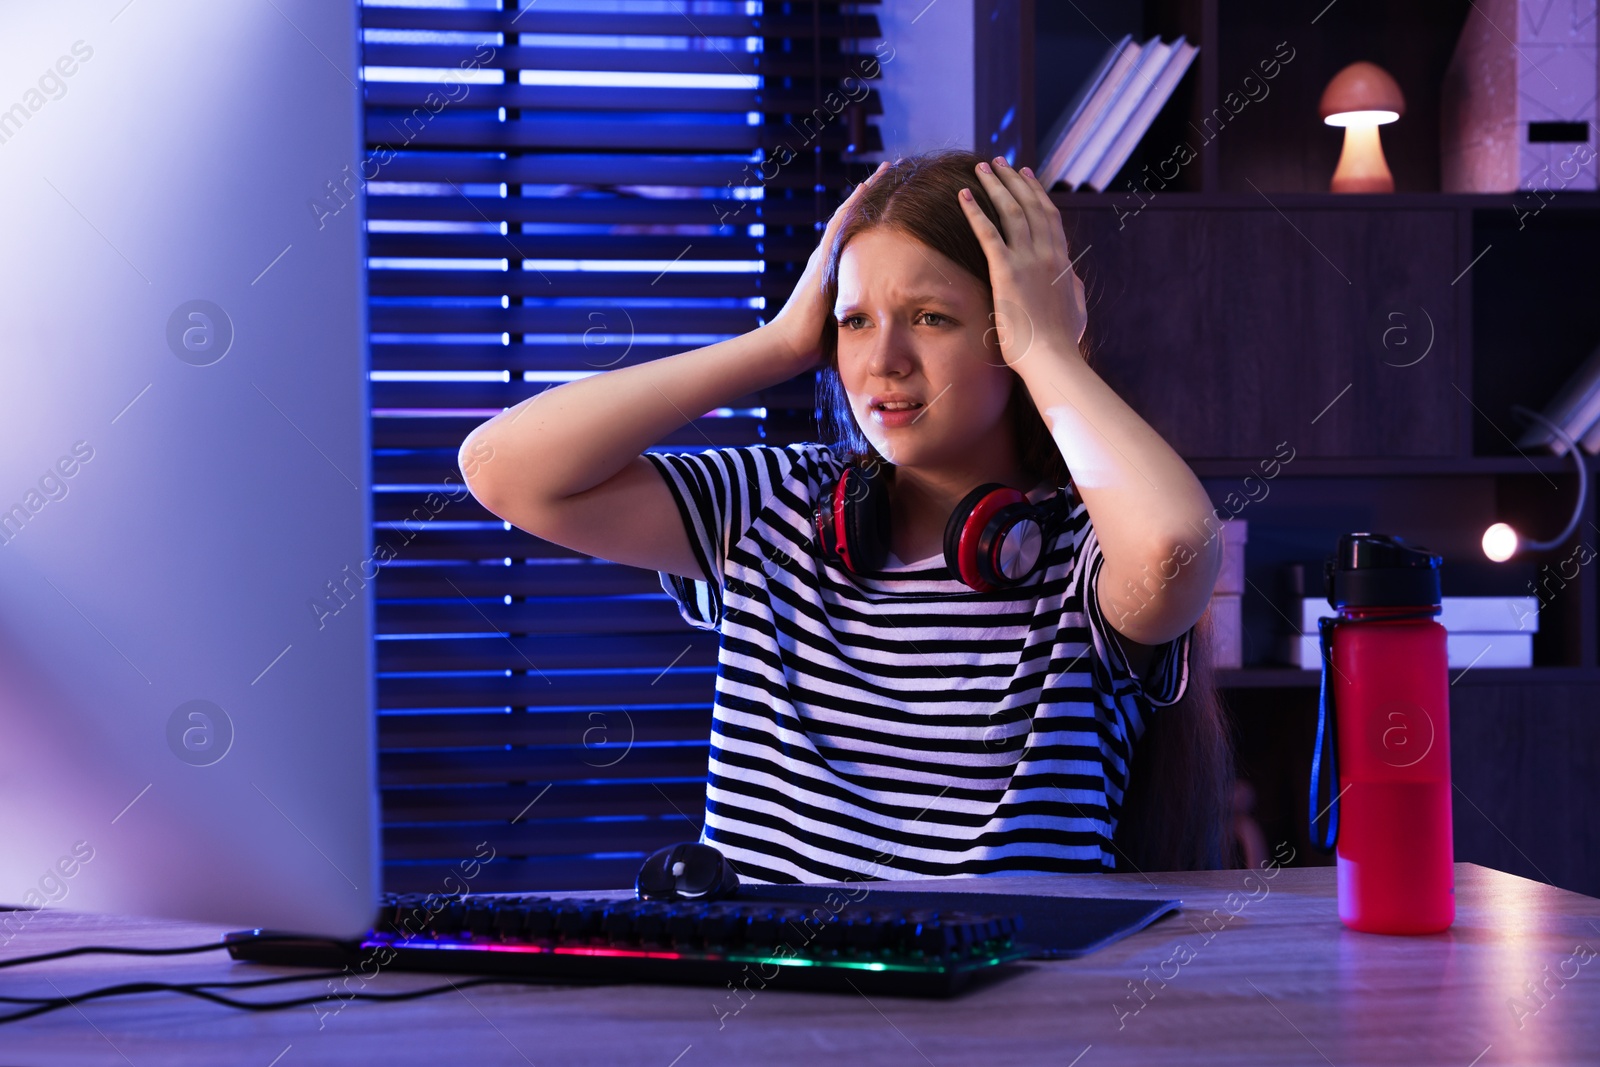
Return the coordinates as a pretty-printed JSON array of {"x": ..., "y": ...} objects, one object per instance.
[{"x": 901, "y": 724}]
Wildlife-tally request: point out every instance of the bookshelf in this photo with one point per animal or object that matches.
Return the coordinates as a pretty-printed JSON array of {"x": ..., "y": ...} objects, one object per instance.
[{"x": 1238, "y": 305}]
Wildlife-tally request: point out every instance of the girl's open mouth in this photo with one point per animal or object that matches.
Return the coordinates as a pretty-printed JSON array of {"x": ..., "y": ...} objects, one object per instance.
[{"x": 897, "y": 414}]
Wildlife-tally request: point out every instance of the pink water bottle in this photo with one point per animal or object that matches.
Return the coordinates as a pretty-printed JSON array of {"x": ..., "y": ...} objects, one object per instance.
[{"x": 1380, "y": 774}]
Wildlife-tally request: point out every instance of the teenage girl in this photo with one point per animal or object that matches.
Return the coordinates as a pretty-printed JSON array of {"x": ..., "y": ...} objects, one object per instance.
[{"x": 946, "y": 629}]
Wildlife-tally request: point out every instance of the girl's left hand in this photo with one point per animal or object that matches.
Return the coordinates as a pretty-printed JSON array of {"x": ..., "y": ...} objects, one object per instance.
[{"x": 1038, "y": 297}]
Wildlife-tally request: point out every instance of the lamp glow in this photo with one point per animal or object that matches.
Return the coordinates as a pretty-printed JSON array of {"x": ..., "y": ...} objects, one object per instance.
[
  {"x": 1361, "y": 97},
  {"x": 1500, "y": 542},
  {"x": 1361, "y": 118}
]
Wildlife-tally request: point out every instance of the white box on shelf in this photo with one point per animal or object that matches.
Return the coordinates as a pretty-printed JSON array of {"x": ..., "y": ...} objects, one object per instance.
[
  {"x": 1461, "y": 650},
  {"x": 1227, "y": 631},
  {"x": 1235, "y": 534},
  {"x": 1459, "y": 614}
]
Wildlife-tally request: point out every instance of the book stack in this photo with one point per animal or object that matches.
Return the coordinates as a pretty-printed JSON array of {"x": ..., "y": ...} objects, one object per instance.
[
  {"x": 1490, "y": 612},
  {"x": 1482, "y": 631},
  {"x": 1097, "y": 132},
  {"x": 1575, "y": 408}
]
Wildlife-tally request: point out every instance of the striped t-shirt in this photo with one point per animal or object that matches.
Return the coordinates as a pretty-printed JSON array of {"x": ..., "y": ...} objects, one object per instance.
[{"x": 901, "y": 725}]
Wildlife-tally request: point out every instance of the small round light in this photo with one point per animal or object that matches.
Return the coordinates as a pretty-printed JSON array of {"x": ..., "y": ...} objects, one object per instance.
[{"x": 1499, "y": 542}]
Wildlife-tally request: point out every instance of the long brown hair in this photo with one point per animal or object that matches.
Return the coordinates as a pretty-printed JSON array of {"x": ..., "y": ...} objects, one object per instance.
[{"x": 1176, "y": 811}]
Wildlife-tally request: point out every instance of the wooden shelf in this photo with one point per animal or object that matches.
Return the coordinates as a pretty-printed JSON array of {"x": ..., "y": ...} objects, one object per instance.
[
  {"x": 1240, "y": 308},
  {"x": 1170, "y": 200},
  {"x": 1395, "y": 467}
]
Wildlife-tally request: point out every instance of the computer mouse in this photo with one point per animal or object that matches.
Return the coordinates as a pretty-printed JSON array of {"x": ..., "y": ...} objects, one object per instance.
[{"x": 686, "y": 871}]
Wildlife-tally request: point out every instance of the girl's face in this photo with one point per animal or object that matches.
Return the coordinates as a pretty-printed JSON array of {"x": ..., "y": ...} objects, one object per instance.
[{"x": 912, "y": 322}]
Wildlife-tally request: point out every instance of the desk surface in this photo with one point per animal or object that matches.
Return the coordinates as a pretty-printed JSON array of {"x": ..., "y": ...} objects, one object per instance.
[{"x": 1255, "y": 970}]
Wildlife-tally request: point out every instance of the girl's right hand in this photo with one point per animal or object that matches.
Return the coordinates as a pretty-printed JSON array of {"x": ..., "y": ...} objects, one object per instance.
[{"x": 798, "y": 326}]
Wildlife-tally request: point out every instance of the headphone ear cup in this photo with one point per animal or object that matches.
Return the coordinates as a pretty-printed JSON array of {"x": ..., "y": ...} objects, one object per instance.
[
  {"x": 866, "y": 518},
  {"x": 826, "y": 519},
  {"x": 820, "y": 519},
  {"x": 1010, "y": 562},
  {"x": 957, "y": 522}
]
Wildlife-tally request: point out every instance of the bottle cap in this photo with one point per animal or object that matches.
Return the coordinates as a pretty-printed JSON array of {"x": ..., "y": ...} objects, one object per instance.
[{"x": 1372, "y": 570}]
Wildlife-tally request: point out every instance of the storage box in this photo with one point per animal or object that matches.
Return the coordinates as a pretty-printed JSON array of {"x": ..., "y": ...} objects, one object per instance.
[
  {"x": 1519, "y": 63},
  {"x": 1230, "y": 579},
  {"x": 1227, "y": 627},
  {"x": 1227, "y": 631}
]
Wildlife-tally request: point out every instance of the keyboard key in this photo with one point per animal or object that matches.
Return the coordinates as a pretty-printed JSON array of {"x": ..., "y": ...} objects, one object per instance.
[
  {"x": 577, "y": 921},
  {"x": 510, "y": 917},
  {"x": 684, "y": 926},
  {"x": 540, "y": 923},
  {"x": 862, "y": 933},
  {"x": 650, "y": 922},
  {"x": 724, "y": 928},
  {"x": 830, "y": 932},
  {"x": 761, "y": 933},
  {"x": 479, "y": 919},
  {"x": 618, "y": 923}
]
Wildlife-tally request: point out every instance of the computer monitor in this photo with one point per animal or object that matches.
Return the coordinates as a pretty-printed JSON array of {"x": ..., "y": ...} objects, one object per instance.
[{"x": 186, "y": 653}]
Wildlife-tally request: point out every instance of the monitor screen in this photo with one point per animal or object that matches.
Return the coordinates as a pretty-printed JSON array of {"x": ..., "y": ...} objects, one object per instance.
[{"x": 186, "y": 610}]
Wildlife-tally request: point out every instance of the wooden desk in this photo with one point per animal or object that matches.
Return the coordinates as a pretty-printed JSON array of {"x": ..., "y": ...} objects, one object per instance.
[{"x": 1265, "y": 976}]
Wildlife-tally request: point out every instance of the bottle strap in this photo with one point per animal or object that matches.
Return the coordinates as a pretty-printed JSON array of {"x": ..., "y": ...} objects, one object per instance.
[
  {"x": 1325, "y": 790},
  {"x": 1325, "y": 757}
]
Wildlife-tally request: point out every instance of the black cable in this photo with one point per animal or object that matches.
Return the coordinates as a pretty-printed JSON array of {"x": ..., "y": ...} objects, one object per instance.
[
  {"x": 117, "y": 950},
  {"x": 42, "y": 1005},
  {"x": 47, "y": 1004},
  {"x": 221, "y": 983}
]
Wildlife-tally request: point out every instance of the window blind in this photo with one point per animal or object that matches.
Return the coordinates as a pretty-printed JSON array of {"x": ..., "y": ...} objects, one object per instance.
[{"x": 552, "y": 191}]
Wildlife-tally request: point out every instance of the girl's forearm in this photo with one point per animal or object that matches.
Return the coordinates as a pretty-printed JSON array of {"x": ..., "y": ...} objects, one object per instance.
[
  {"x": 1142, "y": 497},
  {"x": 570, "y": 438}
]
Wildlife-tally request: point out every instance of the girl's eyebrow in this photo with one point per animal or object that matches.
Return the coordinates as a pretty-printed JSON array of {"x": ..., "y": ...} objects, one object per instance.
[{"x": 915, "y": 298}]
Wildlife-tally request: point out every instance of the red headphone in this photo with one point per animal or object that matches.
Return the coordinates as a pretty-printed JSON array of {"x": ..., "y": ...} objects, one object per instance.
[{"x": 995, "y": 538}]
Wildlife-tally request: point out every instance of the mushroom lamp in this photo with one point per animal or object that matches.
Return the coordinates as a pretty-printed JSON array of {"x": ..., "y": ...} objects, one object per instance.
[{"x": 1361, "y": 97}]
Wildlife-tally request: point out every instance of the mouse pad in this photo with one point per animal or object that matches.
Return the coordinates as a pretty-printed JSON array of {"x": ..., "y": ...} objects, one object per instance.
[{"x": 1057, "y": 927}]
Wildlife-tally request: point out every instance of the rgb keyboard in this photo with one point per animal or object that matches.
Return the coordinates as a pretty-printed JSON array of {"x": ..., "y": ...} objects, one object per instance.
[{"x": 756, "y": 943}]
